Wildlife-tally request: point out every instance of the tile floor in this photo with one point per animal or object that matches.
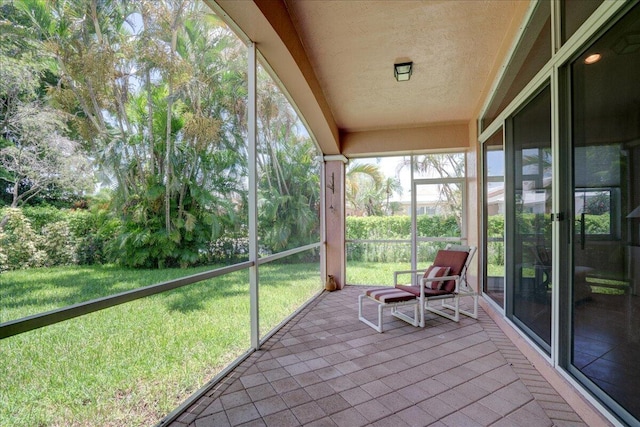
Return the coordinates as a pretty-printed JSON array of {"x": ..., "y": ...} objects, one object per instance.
[{"x": 326, "y": 368}]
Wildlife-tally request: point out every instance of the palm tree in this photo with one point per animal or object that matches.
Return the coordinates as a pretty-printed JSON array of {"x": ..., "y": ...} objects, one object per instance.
[
  {"x": 390, "y": 186},
  {"x": 363, "y": 185},
  {"x": 288, "y": 170}
]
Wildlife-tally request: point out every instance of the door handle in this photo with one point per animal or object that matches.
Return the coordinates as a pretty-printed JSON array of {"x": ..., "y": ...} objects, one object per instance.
[{"x": 582, "y": 229}]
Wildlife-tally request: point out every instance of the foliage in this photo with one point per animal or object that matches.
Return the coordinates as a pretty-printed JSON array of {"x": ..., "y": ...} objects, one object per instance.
[
  {"x": 155, "y": 91},
  {"x": 19, "y": 242},
  {"x": 288, "y": 174},
  {"x": 598, "y": 204},
  {"x": 368, "y": 192},
  {"x": 447, "y": 166},
  {"x": 94, "y": 232},
  {"x": 38, "y": 156},
  {"x": 40, "y": 216},
  {"x": 4, "y": 258},
  {"x": 289, "y": 191},
  {"x": 598, "y": 224},
  {"x": 58, "y": 244},
  {"x": 397, "y": 227},
  {"x": 57, "y": 237}
]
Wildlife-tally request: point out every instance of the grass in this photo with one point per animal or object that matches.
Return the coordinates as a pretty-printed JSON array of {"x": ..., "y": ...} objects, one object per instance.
[
  {"x": 373, "y": 273},
  {"x": 134, "y": 363}
]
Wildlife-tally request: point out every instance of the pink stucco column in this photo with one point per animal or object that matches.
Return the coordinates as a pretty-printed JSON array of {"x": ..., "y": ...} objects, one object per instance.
[{"x": 335, "y": 218}]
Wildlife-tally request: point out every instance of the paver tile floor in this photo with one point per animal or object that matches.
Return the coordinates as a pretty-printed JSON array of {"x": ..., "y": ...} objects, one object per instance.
[{"x": 326, "y": 368}]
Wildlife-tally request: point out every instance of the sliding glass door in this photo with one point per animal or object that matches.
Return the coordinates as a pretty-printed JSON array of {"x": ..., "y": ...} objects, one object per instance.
[
  {"x": 605, "y": 217},
  {"x": 529, "y": 213},
  {"x": 494, "y": 212},
  {"x": 572, "y": 236}
]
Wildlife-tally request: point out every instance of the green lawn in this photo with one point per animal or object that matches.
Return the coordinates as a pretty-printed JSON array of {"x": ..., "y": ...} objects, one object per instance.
[
  {"x": 134, "y": 363},
  {"x": 373, "y": 273}
]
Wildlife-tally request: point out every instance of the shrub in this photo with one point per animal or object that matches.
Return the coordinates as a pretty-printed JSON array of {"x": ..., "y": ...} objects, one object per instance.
[
  {"x": 396, "y": 227},
  {"x": 19, "y": 242},
  {"x": 93, "y": 232},
  {"x": 58, "y": 244},
  {"x": 227, "y": 250},
  {"x": 41, "y": 216},
  {"x": 597, "y": 224},
  {"x": 3, "y": 255}
]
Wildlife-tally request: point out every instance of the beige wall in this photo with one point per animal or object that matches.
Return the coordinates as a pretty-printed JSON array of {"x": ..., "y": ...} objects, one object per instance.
[
  {"x": 334, "y": 220},
  {"x": 440, "y": 137}
]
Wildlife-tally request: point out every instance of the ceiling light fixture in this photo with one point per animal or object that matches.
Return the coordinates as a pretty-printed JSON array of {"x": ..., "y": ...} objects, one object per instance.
[
  {"x": 402, "y": 72},
  {"x": 592, "y": 59}
]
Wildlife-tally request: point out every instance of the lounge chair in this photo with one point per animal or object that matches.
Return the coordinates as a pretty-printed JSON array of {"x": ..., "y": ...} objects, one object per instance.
[{"x": 444, "y": 282}]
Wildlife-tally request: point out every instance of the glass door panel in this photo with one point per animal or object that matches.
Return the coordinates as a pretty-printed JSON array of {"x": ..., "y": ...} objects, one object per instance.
[
  {"x": 494, "y": 214},
  {"x": 531, "y": 293},
  {"x": 438, "y": 213},
  {"x": 605, "y": 148}
]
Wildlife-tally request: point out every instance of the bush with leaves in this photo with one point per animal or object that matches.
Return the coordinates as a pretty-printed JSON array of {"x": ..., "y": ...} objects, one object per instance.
[
  {"x": 598, "y": 224},
  {"x": 58, "y": 244},
  {"x": 43, "y": 215},
  {"x": 4, "y": 260},
  {"x": 392, "y": 228},
  {"x": 94, "y": 232},
  {"x": 19, "y": 242}
]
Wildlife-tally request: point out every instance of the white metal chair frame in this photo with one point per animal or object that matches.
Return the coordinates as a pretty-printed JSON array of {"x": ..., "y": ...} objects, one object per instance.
[
  {"x": 416, "y": 320},
  {"x": 450, "y": 310}
]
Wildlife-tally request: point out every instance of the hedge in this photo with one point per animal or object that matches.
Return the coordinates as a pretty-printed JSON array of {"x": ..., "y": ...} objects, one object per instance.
[{"x": 48, "y": 236}]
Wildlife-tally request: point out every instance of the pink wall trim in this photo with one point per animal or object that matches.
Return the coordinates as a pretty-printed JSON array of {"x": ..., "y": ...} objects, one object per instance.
[{"x": 334, "y": 220}]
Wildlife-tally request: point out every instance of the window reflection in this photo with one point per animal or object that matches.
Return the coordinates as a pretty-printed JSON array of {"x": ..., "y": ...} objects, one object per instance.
[
  {"x": 531, "y": 249},
  {"x": 606, "y": 247},
  {"x": 494, "y": 218}
]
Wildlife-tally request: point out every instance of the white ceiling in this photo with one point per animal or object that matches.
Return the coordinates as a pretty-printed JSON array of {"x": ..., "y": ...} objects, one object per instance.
[{"x": 335, "y": 57}]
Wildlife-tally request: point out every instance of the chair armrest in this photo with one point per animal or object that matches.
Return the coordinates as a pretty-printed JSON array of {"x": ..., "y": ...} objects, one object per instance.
[{"x": 398, "y": 273}]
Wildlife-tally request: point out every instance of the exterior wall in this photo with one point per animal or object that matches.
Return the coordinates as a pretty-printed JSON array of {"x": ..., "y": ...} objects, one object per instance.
[{"x": 441, "y": 137}]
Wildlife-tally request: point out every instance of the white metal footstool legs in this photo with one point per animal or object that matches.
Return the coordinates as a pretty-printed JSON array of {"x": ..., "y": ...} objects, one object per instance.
[{"x": 390, "y": 297}]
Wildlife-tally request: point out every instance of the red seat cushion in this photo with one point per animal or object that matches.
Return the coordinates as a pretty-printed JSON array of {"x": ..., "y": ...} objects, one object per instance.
[
  {"x": 428, "y": 292},
  {"x": 415, "y": 290},
  {"x": 389, "y": 295}
]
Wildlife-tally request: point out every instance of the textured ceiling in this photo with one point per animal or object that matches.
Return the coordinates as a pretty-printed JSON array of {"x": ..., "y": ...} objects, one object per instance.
[
  {"x": 454, "y": 45},
  {"x": 335, "y": 59}
]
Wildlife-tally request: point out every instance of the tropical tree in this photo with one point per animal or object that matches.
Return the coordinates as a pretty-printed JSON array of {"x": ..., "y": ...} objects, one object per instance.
[
  {"x": 153, "y": 88},
  {"x": 367, "y": 191},
  {"x": 288, "y": 167},
  {"x": 156, "y": 91},
  {"x": 37, "y": 153},
  {"x": 391, "y": 186}
]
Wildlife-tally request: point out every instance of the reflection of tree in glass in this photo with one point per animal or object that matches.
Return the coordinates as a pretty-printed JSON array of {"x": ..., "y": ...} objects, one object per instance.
[{"x": 598, "y": 203}]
